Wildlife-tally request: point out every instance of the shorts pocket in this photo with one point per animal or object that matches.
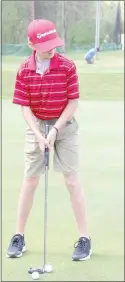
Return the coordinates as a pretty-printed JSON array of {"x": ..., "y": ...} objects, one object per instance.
[
  {"x": 70, "y": 129},
  {"x": 31, "y": 142}
]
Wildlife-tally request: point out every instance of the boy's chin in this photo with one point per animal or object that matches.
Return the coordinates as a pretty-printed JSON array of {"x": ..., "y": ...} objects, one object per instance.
[{"x": 50, "y": 56}]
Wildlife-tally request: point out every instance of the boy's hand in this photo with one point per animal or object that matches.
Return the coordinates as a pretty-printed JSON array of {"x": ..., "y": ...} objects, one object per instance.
[
  {"x": 51, "y": 137},
  {"x": 43, "y": 143}
]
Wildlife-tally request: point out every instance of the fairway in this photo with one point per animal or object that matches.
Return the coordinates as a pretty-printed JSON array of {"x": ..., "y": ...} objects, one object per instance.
[{"x": 101, "y": 120}]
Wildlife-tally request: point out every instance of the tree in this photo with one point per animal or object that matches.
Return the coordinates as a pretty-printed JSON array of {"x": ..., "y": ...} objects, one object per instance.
[
  {"x": 75, "y": 20},
  {"x": 45, "y": 9},
  {"x": 117, "y": 29},
  {"x": 38, "y": 9},
  {"x": 15, "y": 18}
]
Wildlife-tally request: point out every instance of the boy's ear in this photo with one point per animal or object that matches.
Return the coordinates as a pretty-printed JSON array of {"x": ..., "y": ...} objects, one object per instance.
[{"x": 30, "y": 44}]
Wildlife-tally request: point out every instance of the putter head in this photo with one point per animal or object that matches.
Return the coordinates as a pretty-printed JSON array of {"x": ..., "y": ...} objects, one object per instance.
[
  {"x": 47, "y": 268},
  {"x": 40, "y": 270}
]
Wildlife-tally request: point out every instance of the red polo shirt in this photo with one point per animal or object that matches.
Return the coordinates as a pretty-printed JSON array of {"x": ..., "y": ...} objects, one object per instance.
[{"x": 47, "y": 95}]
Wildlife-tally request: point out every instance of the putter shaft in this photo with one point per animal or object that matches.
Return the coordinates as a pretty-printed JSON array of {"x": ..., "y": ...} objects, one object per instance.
[{"x": 41, "y": 270}]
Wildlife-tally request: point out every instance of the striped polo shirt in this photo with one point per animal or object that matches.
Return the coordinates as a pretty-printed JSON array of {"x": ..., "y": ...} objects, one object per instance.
[{"x": 47, "y": 95}]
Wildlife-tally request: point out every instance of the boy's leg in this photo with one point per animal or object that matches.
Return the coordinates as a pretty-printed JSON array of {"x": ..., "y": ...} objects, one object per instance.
[
  {"x": 34, "y": 166},
  {"x": 25, "y": 202},
  {"x": 66, "y": 159},
  {"x": 78, "y": 202}
]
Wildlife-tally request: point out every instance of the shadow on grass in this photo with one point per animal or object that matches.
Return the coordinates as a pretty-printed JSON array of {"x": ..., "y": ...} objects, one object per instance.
[{"x": 94, "y": 255}]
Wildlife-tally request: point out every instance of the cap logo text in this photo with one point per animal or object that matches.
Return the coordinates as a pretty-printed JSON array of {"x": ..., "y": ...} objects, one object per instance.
[{"x": 40, "y": 35}]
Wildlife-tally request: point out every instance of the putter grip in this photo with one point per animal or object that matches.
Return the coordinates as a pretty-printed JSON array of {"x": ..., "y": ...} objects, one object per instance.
[
  {"x": 46, "y": 149},
  {"x": 46, "y": 156}
]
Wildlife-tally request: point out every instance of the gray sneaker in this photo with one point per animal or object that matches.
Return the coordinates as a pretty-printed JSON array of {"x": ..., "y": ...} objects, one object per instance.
[
  {"x": 82, "y": 249},
  {"x": 17, "y": 247}
]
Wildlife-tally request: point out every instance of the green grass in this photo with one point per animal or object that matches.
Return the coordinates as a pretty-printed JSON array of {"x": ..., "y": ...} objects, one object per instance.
[
  {"x": 102, "y": 81},
  {"x": 102, "y": 174}
]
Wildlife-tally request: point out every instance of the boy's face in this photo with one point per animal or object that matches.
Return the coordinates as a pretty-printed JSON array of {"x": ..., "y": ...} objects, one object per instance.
[
  {"x": 46, "y": 55},
  {"x": 43, "y": 55}
]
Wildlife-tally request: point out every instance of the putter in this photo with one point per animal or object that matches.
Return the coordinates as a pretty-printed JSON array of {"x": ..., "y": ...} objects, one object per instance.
[{"x": 45, "y": 268}]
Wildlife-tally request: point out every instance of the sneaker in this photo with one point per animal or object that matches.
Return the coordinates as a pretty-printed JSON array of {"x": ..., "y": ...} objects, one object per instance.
[
  {"x": 82, "y": 249},
  {"x": 16, "y": 247}
]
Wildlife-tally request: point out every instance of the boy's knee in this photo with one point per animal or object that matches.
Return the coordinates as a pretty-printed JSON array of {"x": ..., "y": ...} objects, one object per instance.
[
  {"x": 72, "y": 182},
  {"x": 31, "y": 183}
]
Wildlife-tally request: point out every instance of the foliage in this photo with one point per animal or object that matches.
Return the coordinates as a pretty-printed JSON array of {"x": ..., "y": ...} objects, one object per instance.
[{"x": 75, "y": 20}]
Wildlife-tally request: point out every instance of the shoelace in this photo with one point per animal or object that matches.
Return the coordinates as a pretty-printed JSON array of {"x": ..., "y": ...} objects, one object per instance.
[
  {"x": 16, "y": 242},
  {"x": 80, "y": 244}
]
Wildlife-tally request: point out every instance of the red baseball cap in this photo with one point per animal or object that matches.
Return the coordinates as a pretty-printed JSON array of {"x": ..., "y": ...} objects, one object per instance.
[{"x": 42, "y": 33}]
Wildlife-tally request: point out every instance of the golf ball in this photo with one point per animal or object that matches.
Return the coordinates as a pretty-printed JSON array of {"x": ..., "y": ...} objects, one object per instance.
[
  {"x": 35, "y": 275},
  {"x": 48, "y": 268}
]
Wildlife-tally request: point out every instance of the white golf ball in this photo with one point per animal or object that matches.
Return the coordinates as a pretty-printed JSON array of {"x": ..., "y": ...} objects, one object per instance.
[
  {"x": 35, "y": 275},
  {"x": 48, "y": 268}
]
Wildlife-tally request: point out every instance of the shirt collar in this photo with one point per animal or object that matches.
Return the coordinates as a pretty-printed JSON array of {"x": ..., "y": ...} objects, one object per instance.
[{"x": 54, "y": 62}]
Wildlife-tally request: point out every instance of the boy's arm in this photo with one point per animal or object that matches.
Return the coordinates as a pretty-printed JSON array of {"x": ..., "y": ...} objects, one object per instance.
[
  {"x": 22, "y": 97},
  {"x": 67, "y": 113},
  {"x": 29, "y": 118},
  {"x": 73, "y": 95}
]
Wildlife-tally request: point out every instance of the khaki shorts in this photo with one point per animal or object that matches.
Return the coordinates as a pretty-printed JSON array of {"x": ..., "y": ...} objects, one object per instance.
[{"x": 65, "y": 150}]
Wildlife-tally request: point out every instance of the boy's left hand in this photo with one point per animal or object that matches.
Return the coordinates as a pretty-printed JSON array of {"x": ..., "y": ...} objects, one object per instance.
[{"x": 51, "y": 137}]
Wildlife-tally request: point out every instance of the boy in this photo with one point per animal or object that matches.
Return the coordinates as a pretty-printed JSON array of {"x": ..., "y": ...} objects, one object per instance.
[{"x": 47, "y": 89}]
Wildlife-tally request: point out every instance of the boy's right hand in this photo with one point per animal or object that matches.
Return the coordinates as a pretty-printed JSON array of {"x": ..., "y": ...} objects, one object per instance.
[{"x": 43, "y": 143}]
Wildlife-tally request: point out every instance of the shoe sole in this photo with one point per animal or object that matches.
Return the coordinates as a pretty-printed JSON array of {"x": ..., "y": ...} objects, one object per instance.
[
  {"x": 18, "y": 256},
  {"x": 83, "y": 259}
]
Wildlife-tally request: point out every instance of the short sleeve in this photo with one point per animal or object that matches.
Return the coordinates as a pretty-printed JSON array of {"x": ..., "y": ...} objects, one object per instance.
[
  {"x": 72, "y": 83},
  {"x": 21, "y": 95}
]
